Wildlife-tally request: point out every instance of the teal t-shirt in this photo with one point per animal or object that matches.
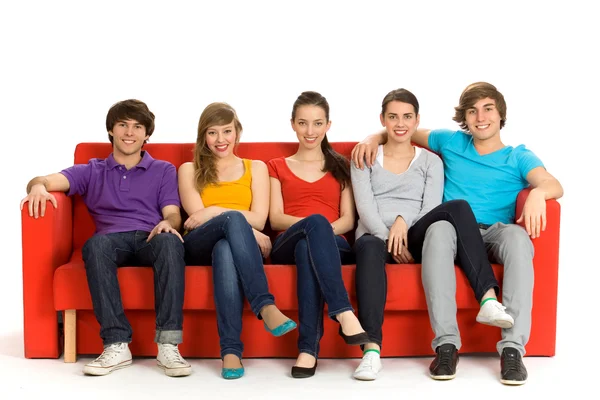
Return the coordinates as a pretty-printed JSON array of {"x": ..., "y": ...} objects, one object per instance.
[{"x": 489, "y": 183}]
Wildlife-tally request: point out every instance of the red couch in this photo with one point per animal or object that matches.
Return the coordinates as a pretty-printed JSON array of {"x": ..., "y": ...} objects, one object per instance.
[{"x": 54, "y": 280}]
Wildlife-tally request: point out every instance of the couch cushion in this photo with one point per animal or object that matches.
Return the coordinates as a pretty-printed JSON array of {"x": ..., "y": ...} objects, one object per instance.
[{"x": 405, "y": 291}]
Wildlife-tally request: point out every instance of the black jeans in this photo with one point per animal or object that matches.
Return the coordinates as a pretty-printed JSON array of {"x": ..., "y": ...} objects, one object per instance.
[
  {"x": 103, "y": 254},
  {"x": 372, "y": 255}
]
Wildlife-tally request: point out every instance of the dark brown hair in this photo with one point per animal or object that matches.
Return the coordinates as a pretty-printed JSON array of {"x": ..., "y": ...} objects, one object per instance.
[
  {"x": 335, "y": 163},
  {"x": 401, "y": 95},
  {"x": 205, "y": 162},
  {"x": 130, "y": 109},
  {"x": 471, "y": 95}
]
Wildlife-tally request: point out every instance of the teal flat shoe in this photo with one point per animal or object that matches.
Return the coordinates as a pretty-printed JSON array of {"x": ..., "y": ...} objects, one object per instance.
[
  {"x": 232, "y": 373},
  {"x": 282, "y": 329}
]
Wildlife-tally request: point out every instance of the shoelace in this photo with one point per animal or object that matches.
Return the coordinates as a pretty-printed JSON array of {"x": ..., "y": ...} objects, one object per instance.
[
  {"x": 171, "y": 353},
  {"x": 445, "y": 358},
  {"x": 367, "y": 361},
  {"x": 511, "y": 363},
  {"x": 109, "y": 352},
  {"x": 500, "y": 307}
]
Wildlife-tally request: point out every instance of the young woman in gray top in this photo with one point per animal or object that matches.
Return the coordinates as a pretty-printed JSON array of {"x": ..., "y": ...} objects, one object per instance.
[{"x": 397, "y": 200}]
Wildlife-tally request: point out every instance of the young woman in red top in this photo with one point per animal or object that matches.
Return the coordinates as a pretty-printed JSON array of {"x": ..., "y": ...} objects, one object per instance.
[{"x": 312, "y": 206}]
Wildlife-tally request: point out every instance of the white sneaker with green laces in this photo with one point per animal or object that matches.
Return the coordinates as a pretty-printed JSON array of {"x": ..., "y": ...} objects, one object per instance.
[
  {"x": 171, "y": 361},
  {"x": 369, "y": 367},
  {"x": 494, "y": 313},
  {"x": 114, "y": 356}
]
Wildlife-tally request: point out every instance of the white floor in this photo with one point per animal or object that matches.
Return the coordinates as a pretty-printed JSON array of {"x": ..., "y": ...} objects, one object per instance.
[{"x": 269, "y": 379}]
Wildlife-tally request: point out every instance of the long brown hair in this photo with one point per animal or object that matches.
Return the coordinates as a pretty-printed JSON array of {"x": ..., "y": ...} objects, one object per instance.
[
  {"x": 205, "y": 162},
  {"x": 335, "y": 163}
]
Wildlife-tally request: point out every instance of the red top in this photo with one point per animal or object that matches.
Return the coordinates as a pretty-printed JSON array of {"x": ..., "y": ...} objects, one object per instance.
[{"x": 302, "y": 198}]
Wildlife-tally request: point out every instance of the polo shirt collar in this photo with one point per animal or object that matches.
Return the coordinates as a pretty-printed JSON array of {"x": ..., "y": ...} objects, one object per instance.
[{"x": 145, "y": 162}]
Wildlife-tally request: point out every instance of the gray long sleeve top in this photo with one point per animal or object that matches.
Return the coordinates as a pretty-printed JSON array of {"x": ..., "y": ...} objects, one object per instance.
[{"x": 381, "y": 195}]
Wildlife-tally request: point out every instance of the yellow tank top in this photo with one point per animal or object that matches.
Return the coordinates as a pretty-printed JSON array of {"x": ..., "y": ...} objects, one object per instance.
[{"x": 236, "y": 195}]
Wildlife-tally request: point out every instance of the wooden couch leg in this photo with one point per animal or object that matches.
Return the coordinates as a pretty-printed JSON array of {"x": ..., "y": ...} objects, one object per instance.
[{"x": 70, "y": 326}]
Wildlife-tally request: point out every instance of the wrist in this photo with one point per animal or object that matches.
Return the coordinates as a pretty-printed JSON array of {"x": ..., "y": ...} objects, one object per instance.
[
  {"x": 36, "y": 182},
  {"x": 538, "y": 192}
]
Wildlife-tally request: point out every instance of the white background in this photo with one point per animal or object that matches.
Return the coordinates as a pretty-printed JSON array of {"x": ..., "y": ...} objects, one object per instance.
[{"x": 63, "y": 64}]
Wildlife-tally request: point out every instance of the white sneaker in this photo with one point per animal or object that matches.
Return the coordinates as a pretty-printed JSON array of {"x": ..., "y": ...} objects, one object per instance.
[
  {"x": 114, "y": 356},
  {"x": 493, "y": 313},
  {"x": 369, "y": 367},
  {"x": 171, "y": 361}
]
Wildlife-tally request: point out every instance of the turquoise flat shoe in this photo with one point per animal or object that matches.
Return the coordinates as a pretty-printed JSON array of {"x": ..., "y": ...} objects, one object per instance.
[
  {"x": 232, "y": 373},
  {"x": 282, "y": 329}
]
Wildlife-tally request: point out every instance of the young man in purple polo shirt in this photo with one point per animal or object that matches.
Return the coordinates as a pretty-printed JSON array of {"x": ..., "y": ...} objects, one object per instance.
[
  {"x": 480, "y": 169},
  {"x": 134, "y": 202}
]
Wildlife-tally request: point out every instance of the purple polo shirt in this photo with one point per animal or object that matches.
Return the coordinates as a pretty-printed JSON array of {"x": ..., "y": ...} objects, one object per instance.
[{"x": 121, "y": 200}]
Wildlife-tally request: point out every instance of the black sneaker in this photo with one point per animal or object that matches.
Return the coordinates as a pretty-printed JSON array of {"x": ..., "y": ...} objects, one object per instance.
[
  {"x": 513, "y": 369},
  {"x": 443, "y": 366}
]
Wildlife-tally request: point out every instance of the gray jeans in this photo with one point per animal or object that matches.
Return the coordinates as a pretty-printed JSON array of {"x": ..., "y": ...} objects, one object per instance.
[{"x": 506, "y": 244}]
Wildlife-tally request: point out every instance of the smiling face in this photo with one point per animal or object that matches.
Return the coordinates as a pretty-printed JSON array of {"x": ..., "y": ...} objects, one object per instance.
[
  {"x": 483, "y": 119},
  {"x": 311, "y": 125},
  {"x": 221, "y": 139},
  {"x": 128, "y": 137},
  {"x": 400, "y": 121}
]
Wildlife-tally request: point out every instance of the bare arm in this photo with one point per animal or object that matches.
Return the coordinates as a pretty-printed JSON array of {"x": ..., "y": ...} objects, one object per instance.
[
  {"x": 170, "y": 224},
  {"x": 37, "y": 192},
  {"x": 277, "y": 218},
  {"x": 52, "y": 183},
  {"x": 545, "y": 187},
  {"x": 364, "y": 153},
  {"x": 345, "y": 222},
  {"x": 172, "y": 215},
  {"x": 259, "y": 209},
  {"x": 542, "y": 181},
  {"x": 190, "y": 198}
]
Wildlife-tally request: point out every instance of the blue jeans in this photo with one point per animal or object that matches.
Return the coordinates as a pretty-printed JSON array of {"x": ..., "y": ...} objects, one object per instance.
[
  {"x": 103, "y": 254},
  {"x": 318, "y": 255},
  {"x": 227, "y": 242}
]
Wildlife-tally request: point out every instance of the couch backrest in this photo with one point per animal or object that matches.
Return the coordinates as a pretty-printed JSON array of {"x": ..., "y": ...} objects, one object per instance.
[{"x": 177, "y": 154}]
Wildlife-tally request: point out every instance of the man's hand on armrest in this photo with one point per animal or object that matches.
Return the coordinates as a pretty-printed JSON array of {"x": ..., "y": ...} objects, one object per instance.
[{"x": 38, "y": 195}]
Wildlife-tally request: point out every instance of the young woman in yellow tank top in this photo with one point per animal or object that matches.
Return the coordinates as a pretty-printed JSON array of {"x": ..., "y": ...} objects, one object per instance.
[{"x": 227, "y": 200}]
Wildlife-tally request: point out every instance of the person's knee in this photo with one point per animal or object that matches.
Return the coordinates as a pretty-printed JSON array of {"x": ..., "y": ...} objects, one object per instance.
[
  {"x": 235, "y": 218},
  {"x": 516, "y": 240},
  {"x": 441, "y": 230},
  {"x": 317, "y": 221},
  {"x": 167, "y": 241},
  {"x": 97, "y": 244},
  {"x": 459, "y": 206},
  {"x": 369, "y": 242}
]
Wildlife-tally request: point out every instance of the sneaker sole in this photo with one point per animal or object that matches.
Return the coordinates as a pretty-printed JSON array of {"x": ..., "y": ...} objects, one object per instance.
[
  {"x": 512, "y": 383},
  {"x": 497, "y": 323},
  {"x": 364, "y": 378},
  {"x": 100, "y": 371},
  {"x": 175, "y": 372},
  {"x": 443, "y": 377}
]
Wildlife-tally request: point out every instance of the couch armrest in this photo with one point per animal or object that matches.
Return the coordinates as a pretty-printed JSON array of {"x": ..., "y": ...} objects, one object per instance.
[
  {"x": 47, "y": 244},
  {"x": 545, "y": 266}
]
